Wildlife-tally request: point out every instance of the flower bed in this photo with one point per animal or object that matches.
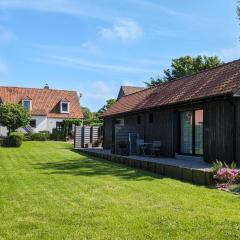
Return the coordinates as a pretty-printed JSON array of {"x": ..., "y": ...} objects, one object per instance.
[{"x": 225, "y": 176}]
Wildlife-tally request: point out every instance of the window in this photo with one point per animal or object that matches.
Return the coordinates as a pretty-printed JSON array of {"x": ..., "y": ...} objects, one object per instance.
[
  {"x": 59, "y": 125},
  {"x": 191, "y": 137},
  {"x": 33, "y": 123},
  {"x": 139, "y": 119},
  {"x": 186, "y": 132},
  {"x": 27, "y": 104},
  {"x": 198, "y": 132},
  {"x": 151, "y": 118},
  {"x": 64, "y": 107},
  {"x": 120, "y": 121}
]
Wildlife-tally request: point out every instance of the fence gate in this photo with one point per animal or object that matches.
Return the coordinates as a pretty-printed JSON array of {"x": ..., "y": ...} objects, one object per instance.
[
  {"x": 85, "y": 135},
  {"x": 78, "y": 137},
  {"x": 95, "y": 134}
]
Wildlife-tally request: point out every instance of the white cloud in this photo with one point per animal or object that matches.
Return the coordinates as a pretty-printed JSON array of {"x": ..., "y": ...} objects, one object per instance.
[
  {"x": 70, "y": 7},
  {"x": 83, "y": 63},
  {"x": 100, "y": 90},
  {"x": 123, "y": 29},
  {"x": 225, "y": 54},
  {"x": 5, "y": 34},
  {"x": 229, "y": 54},
  {"x": 91, "y": 47}
]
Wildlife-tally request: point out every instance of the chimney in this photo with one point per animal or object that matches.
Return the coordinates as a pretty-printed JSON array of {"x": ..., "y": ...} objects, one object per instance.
[
  {"x": 79, "y": 95},
  {"x": 46, "y": 86}
]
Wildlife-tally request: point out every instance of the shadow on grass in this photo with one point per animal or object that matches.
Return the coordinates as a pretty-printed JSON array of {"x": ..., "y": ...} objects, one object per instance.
[{"x": 91, "y": 166}]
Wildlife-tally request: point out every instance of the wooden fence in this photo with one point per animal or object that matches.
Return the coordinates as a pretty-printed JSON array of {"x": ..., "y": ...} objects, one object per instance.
[{"x": 87, "y": 136}]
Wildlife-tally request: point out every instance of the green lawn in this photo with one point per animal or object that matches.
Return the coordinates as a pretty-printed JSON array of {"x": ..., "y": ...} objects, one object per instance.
[{"x": 48, "y": 191}]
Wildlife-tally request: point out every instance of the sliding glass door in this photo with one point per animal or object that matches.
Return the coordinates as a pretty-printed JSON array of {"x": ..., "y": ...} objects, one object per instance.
[
  {"x": 198, "y": 135},
  {"x": 191, "y": 129}
]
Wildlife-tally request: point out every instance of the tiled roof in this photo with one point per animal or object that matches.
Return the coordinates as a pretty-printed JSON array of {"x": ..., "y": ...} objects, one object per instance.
[
  {"x": 218, "y": 81},
  {"x": 130, "y": 89},
  {"x": 45, "y": 102}
]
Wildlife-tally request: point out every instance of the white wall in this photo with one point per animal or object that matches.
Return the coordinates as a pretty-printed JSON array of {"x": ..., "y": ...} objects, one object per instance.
[
  {"x": 52, "y": 123},
  {"x": 45, "y": 124},
  {"x": 3, "y": 131},
  {"x": 41, "y": 123}
]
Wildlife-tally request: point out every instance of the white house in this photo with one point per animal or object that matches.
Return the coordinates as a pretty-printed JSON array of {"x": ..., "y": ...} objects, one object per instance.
[{"x": 48, "y": 107}]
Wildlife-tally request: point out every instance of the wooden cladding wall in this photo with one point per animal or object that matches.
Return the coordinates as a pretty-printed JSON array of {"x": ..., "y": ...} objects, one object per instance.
[
  {"x": 107, "y": 133},
  {"x": 219, "y": 131},
  {"x": 237, "y": 130},
  {"x": 163, "y": 128}
]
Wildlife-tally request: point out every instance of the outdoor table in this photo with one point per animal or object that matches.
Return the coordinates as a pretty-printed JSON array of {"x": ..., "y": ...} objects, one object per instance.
[{"x": 144, "y": 146}]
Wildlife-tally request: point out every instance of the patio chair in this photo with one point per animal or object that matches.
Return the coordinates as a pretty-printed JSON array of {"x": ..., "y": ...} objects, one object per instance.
[
  {"x": 140, "y": 146},
  {"x": 156, "y": 148}
]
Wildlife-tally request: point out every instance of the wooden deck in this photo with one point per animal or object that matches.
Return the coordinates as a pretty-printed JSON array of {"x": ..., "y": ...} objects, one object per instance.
[{"x": 193, "y": 170}]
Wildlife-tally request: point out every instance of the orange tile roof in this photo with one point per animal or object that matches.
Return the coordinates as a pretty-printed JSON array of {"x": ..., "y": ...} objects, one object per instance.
[
  {"x": 45, "y": 102},
  {"x": 218, "y": 81}
]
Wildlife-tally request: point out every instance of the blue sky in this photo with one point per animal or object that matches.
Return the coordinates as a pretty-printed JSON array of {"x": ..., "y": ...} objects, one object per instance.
[{"x": 96, "y": 46}]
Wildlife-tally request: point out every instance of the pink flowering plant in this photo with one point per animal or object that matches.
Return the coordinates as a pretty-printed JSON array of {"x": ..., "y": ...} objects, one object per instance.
[{"x": 225, "y": 175}]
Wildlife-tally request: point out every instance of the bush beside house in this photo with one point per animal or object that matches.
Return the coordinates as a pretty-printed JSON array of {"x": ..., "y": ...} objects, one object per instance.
[
  {"x": 39, "y": 136},
  {"x": 14, "y": 139}
]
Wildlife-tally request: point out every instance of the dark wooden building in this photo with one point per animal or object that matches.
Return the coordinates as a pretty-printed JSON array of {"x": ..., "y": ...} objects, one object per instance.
[{"x": 195, "y": 115}]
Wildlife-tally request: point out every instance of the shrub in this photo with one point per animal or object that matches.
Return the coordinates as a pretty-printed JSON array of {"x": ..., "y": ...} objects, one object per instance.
[
  {"x": 15, "y": 139},
  {"x": 46, "y": 133},
  {"x": 27, "y": 137},
  {"x": 226, "y": 176},
  {"x": 19, "y": 134},
  {"x": 219, "y": 165},
  {"x": 39, "y": 137},
  {"x": 57, "y": 135}
]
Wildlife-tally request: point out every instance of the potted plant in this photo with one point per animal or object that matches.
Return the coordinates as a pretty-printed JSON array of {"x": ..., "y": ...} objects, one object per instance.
[{"x": 98, "y": 142}]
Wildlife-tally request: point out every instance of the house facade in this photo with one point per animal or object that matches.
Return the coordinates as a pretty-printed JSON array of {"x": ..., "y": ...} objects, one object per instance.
[
  {"x": 48, "y": 107},
  {"x": 197, "y": 115}
]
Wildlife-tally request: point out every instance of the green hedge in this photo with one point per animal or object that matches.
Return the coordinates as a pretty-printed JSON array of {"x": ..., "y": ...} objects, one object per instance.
[
  {"x": 15, "y": 139},
  {"x": 39, "y": 136},
  {"x": 57, "y": 135}
]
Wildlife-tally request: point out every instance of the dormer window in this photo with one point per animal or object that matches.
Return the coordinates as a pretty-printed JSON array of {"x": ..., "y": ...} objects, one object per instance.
[
  {"x": 64, "y": 106},
  {"x": 27, "y": 103}
]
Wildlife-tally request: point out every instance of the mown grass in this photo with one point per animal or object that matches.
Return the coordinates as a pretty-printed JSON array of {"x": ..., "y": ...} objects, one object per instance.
[{"x": 48, "y": 191}]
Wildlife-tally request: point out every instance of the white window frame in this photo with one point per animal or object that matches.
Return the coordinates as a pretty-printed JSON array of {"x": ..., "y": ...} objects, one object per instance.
[
  {"x": 30, "y": 105},
  {"x": 61, "y": 108}
]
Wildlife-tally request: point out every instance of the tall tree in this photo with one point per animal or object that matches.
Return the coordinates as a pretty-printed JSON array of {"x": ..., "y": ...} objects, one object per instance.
[
  {"x": 94, "y": 118},
  {"x": 13, "y": 116},
  {"x": 184, "y": 66},
  {"x": 87, "y": 114},
  {"x": 108, "y": 104}
]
